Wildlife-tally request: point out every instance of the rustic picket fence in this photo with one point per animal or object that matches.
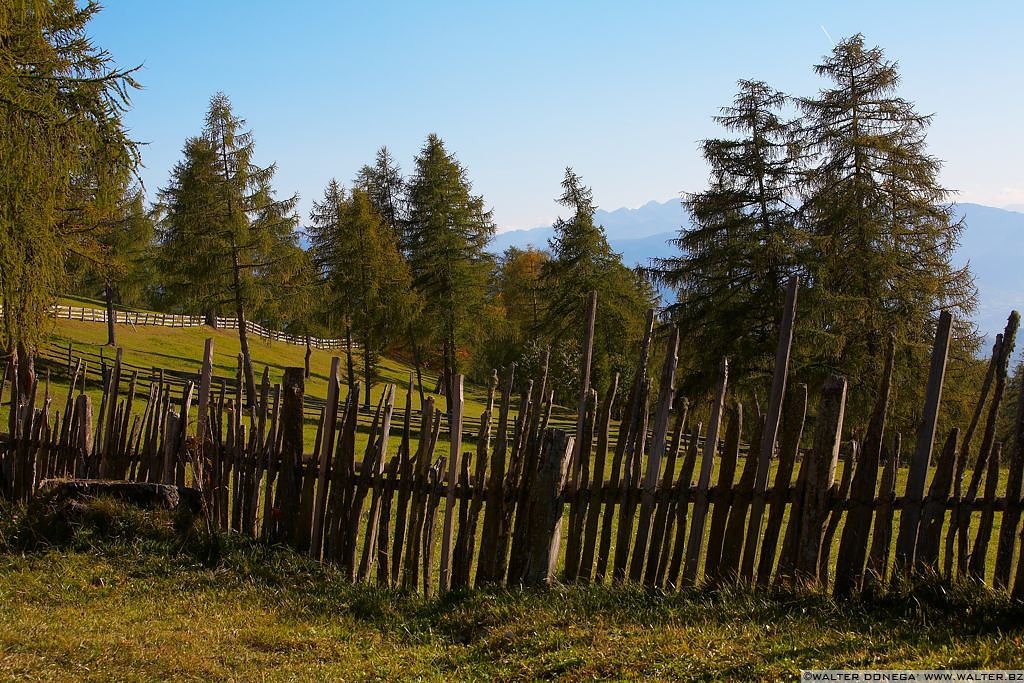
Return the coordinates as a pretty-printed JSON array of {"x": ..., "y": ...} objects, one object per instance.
[
  {"x": 151, "y": 318},
  {"x": 638, "y": 507}
]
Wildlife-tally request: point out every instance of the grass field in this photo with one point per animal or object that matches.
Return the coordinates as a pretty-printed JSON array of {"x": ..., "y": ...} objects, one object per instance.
[{"x": 144, "y": 606}]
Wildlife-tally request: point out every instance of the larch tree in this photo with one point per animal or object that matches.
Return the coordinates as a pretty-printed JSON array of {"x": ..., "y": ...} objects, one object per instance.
[
  {"x": 112, "y": 254},
  {"x": 880, "y": 229},
  {"x": 384, "y": 184},
  {"x": 582, "y": 261},
  {"x": 61, "y": 102},
  {"x": 226, "y": 241},
  {"x": 740, "y": 249},
  {"x": 366, "y": 279},
  {"x": 447, "y": 231}
]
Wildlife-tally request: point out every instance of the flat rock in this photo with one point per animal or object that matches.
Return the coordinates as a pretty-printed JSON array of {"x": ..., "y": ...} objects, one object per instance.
[{"x": 142, "y": 494}]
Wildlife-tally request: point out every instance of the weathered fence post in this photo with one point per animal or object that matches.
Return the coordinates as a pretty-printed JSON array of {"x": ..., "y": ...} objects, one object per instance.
[
  {"x": 455, "y": 405},
  {"x": 1011, "y": 516},
  {"x": 853, "y": 545},
  {"x": 291, "y": 454},
  {"x": 821, "y": 471},
  {"x": 700, "y": 503},
  {"x": 546, "y": 511},
  {"x": 650, "y": 482},
  {"x": 323, "y": 457},
  {"x": 771, "y": 429},
  {"x": 910, "y": 516}
]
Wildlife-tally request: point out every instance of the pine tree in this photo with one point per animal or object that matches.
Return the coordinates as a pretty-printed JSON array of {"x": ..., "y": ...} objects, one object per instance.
[
  {"x": 447, "y": 230},
  {"x": 112, "y": 254},
  {"x": 226, "y": 242},
  {"x": 741, "y": 247},
  {"x": 366, "y": 278},
  {"x": 385, "y": 185},
  {"x": 880, "y": 230},
  {"x": 582, "y": 261},
  {"x": 61, "y": 101}
]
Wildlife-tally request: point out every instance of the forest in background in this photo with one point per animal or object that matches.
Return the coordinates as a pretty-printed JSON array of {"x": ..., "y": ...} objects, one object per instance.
[{"x": 836, "y": 187}]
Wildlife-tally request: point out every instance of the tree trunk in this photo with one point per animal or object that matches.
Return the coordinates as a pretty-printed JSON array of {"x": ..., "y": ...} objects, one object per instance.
[
  {"x": 108, "y": 294},
  {"x": 416, "y": 363},
  {"x": 211, "y": 318},
  {"x": 26, "y": 368},
  {"x": 309, "y": 352},
  {"x": 368, "y": 371},
  {"x": 240, "y": 312},
  {"x": 348, "y": 353}
]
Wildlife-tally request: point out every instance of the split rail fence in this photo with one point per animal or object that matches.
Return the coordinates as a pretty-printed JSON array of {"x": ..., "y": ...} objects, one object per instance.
[
  {"x": 148, "y": 318},
  {"x": 531, "y": 503}
]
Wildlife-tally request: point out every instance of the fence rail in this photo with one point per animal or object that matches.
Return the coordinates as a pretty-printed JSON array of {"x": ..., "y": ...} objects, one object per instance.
[
  {"x": 645, "y": 509},
  {"x": 150, "y": 318}
]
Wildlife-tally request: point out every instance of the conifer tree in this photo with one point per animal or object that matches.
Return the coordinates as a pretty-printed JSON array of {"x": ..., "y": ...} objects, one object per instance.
[
  {"x": 367, "y": 280},
  {"x": 880, "y": 230},
  {"x": 226, "y": 242},
  {"x": 61, "y": 101},
  {"x": 112, "y": 253},
  {"x": 739, "y": 251},
  {"x": 385, "y": 185},
  {"x": 582, "y": 261},
  {"x": 447, "y": 231}
]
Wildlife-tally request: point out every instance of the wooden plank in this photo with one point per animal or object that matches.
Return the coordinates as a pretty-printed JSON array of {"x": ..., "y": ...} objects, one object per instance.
[
  {"x": 487, "y": 572},
  {"x": 510, "y": 497},
  {"x": 722, "y": 497},
  {"x": 976, "y": 569},
  {"x": 611, "y": 490},
  {"x": 700, "y": 504},
  {"x": 1011, "y": 516},
  {"x": 670, "y": 570},
  {"x": 323, "y": 458},
  {"x": 404, "y": 487},
  {"x": 531, "y": 457},
  {"x": 595, "y": 491},
  {"x": 291, "y": 453},
  {"x": 631, "y": 487},
  {"x": 548, "y": 505},
  {"x": 666, "y": 391},
  {"x": 792, "y": 429},
  {"x": 821, "y": 468},
  {"x": 736, "y": 527},
  {"x": 433, "y": 500},
  {"x": 455, "y": 406},
  {"x": 467, "y": 532},
  {"x": 417, "y": 512},
  {"x": 770, "y": 431},
  {"x": 881, "y": 535},
  {"x": 384, "y": 561},
  {"x": 581, "y": 487},
  {"x": 836, "y": 503},
  {"x": 663, "y": 516},
  {"x": 910, "y": 517},
  {"x": 853, "y": 546},
  {"x": 934, "y": 511}
]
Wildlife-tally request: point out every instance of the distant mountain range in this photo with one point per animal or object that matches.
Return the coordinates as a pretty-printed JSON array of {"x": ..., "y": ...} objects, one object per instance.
[{"x": 992, "y": 243}]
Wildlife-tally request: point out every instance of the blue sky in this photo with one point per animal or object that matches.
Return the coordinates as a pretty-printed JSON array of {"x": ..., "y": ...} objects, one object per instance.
[{"x": 519, "y": 90}]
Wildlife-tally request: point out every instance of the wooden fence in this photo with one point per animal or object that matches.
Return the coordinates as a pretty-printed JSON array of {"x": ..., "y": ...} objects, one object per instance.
[
  {"x": 147, "y": 318},
  {"x": 530, "y": 503}
]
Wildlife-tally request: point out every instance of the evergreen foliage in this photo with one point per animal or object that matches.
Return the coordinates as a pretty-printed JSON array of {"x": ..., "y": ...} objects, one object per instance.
[
  {"x": 61, "y": 101},
  {"x": 880, "y": 230},
  {"x": 847, "y": 197},
  {"x": 226, "y": 242},
  {"x": 447, "y": 231},
  {"x": 735, "y": 260},
  {"x": 582, "y": 261},
  {"x": 366, "y": 279}
]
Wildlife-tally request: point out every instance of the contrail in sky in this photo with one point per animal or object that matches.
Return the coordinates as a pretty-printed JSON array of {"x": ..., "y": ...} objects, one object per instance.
[{"x": 827, "y": 35}]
